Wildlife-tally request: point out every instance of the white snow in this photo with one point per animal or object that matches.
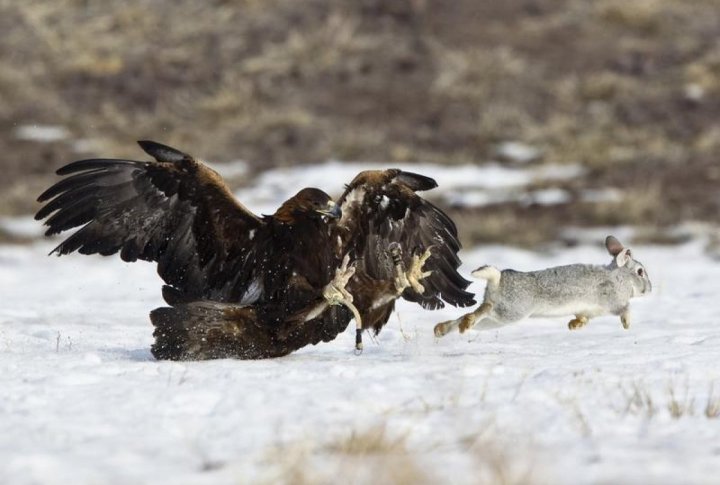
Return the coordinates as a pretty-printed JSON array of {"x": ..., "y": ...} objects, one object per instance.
[
  {"x": 486, "y": 197},
  {"x": 482, "y": 197},
  {"x": 82, "y": 401},
  {"x": 86, "y": 145},
  {"x": 517, "y": 151},
  {"x": 694, "y": 92},
  {"x": 608, "y": 194},
  {"x": 21, "y": 226},
  {"x": 275, "y": 186},
  {"x": 42, "y": 133},
  {"x": 228, "y": 170},
  {"x": 552, "y": 196}
]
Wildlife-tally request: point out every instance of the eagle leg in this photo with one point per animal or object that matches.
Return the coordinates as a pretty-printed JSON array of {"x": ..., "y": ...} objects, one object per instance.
[
  {"x": 336, "y": 294},
  {"x": 409, "y": 278}
]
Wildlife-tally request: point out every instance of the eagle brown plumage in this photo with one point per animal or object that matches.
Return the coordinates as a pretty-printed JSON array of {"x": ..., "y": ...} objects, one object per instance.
[
  {"x": 239, "y": 285},
  {"x": 381, "y": 209}
]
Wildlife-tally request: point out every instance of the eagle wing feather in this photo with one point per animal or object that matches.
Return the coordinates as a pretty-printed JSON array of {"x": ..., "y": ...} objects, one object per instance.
[
  {"x": 381, "y": 208},
  {"x": 175, "y": 211}
]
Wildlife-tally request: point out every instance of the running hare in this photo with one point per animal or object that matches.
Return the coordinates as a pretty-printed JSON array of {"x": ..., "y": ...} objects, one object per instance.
[{"x": 582, "y": 290}]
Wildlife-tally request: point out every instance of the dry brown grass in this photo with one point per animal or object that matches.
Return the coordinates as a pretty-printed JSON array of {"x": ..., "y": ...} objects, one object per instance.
[
  {"x": 678, "y": 403},
  {"x": 373, "y": 441},
  {"x": 363, "y": 457},
  {"x": 621, "y": 87},
  {"x": 497, "y": 466},
  {"x": 638, "y": 401},
  {"x": 507, "y": 223},
  {"x": 374, "y": 455},
  {"x": 712, "y": 406}
]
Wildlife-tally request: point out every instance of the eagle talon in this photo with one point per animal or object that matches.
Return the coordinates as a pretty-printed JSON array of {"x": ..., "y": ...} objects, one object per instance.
[
  {"x": 335, "y": 292},
  {"x": 412, "y": 277}
]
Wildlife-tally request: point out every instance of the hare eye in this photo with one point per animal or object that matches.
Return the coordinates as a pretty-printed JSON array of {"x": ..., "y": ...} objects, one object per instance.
[{"x": 640, "y": 272}]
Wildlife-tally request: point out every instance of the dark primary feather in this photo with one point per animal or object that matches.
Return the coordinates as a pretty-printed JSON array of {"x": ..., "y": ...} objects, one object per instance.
[
  {"x": 174, "y": 211},
  {"x": 162, "y": 153},
  {"x": 415, "y": 181}
]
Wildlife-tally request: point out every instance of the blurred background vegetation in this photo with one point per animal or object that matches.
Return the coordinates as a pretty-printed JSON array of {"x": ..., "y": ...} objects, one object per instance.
[{"x": 630, "y": 90}]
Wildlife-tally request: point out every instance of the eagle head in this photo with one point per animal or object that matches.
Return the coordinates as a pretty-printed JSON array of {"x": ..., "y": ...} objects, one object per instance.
[{"x": 308, "y": 203}]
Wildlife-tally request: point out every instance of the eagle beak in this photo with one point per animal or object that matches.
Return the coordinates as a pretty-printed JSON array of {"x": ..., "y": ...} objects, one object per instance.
[{"x": 332, "y": 210}]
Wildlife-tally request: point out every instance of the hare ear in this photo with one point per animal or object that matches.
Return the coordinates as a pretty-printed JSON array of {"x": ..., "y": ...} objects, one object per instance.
[
  {"x": 623, "y": 257},
  {"x": 613, "y": 246}
]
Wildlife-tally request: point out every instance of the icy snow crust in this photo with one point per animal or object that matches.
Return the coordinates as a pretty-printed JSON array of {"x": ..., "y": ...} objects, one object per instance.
[{"x": 82, "y": 400}]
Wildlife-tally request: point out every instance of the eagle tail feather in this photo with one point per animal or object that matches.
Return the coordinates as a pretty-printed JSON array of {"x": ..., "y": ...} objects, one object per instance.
[{"x": 208, "y": 330}]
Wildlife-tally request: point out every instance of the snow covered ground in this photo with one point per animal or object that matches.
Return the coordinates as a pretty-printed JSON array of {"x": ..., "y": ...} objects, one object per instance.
[{"x": 82, "y": 401}]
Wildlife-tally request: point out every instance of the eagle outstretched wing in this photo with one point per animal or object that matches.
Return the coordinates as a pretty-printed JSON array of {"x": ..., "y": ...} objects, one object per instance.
[
  {"x": 175, "y": 211},
  {"x": 249, "y": 287},
  {"x": 381, "y": 209}
]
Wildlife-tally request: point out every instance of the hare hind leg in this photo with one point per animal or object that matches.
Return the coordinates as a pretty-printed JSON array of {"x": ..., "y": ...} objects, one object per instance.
[
  {"x": 578, "y": 322},
  {"x": 469, "y": 320},
  {"x": 444, "y": 328},
  {"x": 465, "y": 322}
]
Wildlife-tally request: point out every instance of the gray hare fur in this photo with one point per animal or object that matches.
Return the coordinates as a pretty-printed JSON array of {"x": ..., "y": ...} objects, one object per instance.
[{"x": 582, "y": 290}]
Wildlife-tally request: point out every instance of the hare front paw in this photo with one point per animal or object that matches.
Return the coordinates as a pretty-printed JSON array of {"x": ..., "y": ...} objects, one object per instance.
[{"x": 577, "y": 322}]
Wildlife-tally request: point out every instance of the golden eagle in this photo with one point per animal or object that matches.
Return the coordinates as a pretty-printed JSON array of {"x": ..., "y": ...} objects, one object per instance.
[{"x": 250, "y": 287}]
